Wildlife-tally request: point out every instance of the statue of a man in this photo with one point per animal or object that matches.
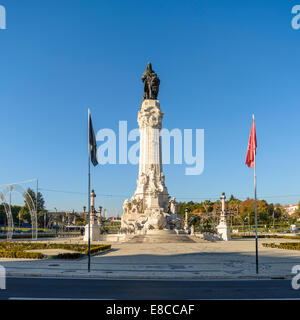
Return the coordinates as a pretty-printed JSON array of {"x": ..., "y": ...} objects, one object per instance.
[{"x": 151, "y": 83}]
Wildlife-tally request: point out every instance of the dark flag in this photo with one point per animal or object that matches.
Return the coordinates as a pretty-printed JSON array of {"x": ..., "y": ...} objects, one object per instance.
[{"x": 92, "y": 142}]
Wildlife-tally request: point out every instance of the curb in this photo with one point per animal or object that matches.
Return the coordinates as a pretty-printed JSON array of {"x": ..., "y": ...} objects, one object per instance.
[{"x": 111, "y": 277}]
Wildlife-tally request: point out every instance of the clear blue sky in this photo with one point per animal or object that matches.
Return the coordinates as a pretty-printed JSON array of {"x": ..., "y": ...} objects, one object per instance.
[{"x": 218, "y": 61}]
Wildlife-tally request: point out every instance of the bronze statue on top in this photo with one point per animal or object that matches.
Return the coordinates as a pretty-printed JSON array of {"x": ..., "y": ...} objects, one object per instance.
[{"x": 151, "y": 83}]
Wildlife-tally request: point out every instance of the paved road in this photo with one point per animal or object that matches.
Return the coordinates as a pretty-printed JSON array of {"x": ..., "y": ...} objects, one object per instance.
[{"x": 51, "y": 288}]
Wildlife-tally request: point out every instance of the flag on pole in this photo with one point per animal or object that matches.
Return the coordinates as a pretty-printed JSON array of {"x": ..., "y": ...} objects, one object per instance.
[
  {"x": 251, "y": 151},
  {"x": 92, "y": 142},
  {"x": 251, "y": 162}
]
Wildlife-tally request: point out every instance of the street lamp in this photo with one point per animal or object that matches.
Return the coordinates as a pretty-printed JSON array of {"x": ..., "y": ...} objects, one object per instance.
[
  {"x": 186, "y": 225},
  {"x": 56, "y": 221},
  {"x": 45, "y": 217}
]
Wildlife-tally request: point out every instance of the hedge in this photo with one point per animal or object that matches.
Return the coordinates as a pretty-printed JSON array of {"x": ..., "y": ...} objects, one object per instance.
[
  {"x": 75, "y": 255},
  {"x": 19, "y": 249},
  {"x": 266, "y": 236},
  {"x": 285, "y": 245},
  {"x": 28, "y": 236},
  {"x": 21, "y": 254},
  {"x": 43, "y": 245},
  {"x": 98, "y": 249}
]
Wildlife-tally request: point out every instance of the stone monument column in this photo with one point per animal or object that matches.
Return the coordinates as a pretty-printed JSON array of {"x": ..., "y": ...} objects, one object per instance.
[
  {"x": 100, "y": 219},
  {"x": 151, "y": 207},
  {"x": 94, "y": 227},
  {"x": 223, "y": 228}
]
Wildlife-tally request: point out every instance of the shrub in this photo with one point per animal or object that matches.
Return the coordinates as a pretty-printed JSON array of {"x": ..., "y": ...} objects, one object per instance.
[
  {"x": 285, "y": 245},
  {"x": 18, "y": 249},
  {"x": 21, "y": 254},
  {"x": 28, "y": 236},
  {"x": 75, "y": 255},
  {"x": 266, "y": 236},
  {"x": 98, "y": 249}
]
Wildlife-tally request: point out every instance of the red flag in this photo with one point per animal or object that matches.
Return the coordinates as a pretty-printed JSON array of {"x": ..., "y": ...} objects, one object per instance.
[{"x": 251, "y": 151}]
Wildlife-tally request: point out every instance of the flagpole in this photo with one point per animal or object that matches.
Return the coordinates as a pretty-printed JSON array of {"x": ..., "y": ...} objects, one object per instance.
[
  {"x": 255, "y": 198},
  {"x": 89, "y": 196}
]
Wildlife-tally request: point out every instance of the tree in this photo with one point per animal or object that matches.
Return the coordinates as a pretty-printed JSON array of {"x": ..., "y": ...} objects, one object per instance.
[
  {"x": 238, "y": 210},
  {"x": 25, "y": 214},
  {"x": 15, "y": 213},
  {"x": 30, "y": 199},
  {"x": 40, "y": 200}
]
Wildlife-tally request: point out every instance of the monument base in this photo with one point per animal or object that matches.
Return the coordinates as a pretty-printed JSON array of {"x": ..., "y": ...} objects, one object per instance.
[
  {"x": 224, "y": 232},
  {"x": 94, "y": 233},
  {"x": 160, "y": 232}
]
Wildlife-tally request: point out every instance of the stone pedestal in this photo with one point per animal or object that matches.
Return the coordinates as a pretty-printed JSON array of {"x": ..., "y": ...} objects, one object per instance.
[
  {"x": 151, "y": 207},
  {"x": 95, "y": 233},
  {"x": 95, "y": 228},
  {"x": 224, "y": 232},
  {"x": 223, "y": 228}
]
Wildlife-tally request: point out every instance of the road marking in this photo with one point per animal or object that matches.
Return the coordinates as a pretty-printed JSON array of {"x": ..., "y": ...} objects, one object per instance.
[
  {"x": 252, "y": 299},
  {"x": 142, "y": 279},
  {"x": 25, "y": 298},
  {"x": 204, "y": 299}
]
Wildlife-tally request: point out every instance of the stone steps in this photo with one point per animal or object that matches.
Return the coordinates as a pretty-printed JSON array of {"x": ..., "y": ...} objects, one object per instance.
[{"x": 163, "y": 239}]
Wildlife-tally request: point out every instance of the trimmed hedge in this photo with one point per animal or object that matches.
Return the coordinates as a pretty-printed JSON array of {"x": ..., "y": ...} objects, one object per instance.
[
  {"x": 28, "y": 236},
  {"x": 98, "y": 249},
  {"x": 284, "y": 245},
  {"x": 43, "y": 245},
  {"x": 76, "y": 255},
  {"x": 21, "y": 254},
  {"x": 19, "y": 249},
  {"x": 266, "y": 236}
]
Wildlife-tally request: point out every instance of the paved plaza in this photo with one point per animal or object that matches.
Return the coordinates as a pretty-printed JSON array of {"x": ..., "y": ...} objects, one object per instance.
[{"x": 190, "y": 260}]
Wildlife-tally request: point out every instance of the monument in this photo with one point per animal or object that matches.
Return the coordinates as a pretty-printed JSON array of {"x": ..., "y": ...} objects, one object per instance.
[
  {"x": 95, "y": 228},
  {"x": 151, "y": 209},
  {"x": 223, "y": 228}
]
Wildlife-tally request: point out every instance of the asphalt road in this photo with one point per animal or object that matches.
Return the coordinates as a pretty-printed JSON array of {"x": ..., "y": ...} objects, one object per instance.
[{"x": 51, "y": 288}]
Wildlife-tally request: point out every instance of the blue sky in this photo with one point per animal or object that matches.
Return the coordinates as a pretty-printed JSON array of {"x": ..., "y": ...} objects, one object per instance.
[{"x": 218, "y": 61}]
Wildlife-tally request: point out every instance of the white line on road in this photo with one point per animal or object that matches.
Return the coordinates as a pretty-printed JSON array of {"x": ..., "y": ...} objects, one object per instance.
[
  {"x": 25, "y": 298},
  {"x": 143, "y": 279}
]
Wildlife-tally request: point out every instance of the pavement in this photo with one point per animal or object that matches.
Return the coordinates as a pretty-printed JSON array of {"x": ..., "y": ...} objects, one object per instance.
[
  {"x": 69, "y": 289},
  {"x": 200, "y": 260}
]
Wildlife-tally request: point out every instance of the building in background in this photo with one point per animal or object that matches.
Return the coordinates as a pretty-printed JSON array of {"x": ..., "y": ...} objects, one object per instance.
[{"x": 291, "y": 209}]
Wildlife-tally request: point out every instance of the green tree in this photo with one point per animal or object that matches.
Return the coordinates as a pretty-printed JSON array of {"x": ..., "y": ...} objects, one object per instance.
[
  {"x": 31, "y": 199},
  {"x": 25, "y": 214},
  {"x": 40, "y": 200}
]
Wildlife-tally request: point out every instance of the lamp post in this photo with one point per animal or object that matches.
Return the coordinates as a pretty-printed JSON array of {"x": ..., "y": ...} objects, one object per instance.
[
  {"x": 56, "y": 220},
  {"x": 249, "y": 223},
  {"x": 45, "y": 217},
  {"x": 100, "y": 215},
  {"x": 19, "y": 218}
]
